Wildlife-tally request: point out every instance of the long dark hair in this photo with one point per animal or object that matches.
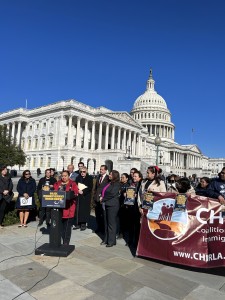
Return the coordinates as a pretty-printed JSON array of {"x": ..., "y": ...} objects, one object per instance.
[
  {"x": 207, "y": 179},
  {"x": 183, "y": 185},
  {"x": 3, "y": 168},
  {"x": 115, "y": 176},
  {"x": 24, "y": 172},
  {"x": 155, "y": 170}
]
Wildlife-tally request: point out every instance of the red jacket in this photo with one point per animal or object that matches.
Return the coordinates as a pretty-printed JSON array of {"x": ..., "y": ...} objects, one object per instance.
[{"x": 69, "y": 210}]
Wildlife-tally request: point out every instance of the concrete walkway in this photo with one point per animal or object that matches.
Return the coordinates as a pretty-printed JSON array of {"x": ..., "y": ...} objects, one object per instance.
[{"x": 94, "y": 272}]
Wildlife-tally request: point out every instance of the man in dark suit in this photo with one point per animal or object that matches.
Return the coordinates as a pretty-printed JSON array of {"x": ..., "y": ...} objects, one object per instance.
[{"x": 101, "y": 182}]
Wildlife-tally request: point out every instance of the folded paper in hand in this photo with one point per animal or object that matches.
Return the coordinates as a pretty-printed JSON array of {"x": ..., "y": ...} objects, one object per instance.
[{"x": 81, "y": 186}]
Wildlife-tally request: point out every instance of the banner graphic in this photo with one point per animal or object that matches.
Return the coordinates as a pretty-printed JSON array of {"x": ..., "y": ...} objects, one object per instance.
[{"x": 184, "y": 230}]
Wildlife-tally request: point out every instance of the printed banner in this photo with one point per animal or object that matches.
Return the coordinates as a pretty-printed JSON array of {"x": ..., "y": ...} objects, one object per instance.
[
  {"x": 54, "y": 199},
  {"x": 187, "y": 230}
]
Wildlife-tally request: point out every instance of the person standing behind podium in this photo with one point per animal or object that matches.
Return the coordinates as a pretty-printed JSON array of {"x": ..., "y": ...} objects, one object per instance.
[
  {"x": 68, "y": 185},
  {"x": 101, "y": 181},
  {"x": 45, "y": 183},
  {"x": 84, "y": 198}
]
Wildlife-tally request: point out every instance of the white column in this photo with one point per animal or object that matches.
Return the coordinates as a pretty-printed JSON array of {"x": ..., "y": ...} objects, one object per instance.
[
  {"x": 61, "y": 137},
  {"x": 69, "y": 136},
  {"x": 93, "y": 136},
  {"x": 113, "y": 137},
  {"x": 144, "y": 147},
  {"x": 56, "y": 131},
  {"x": 13, "y": 131},
  {"x": 134, "y": 143},
  {"x": 124, "y": 139},
  {"x": 129, "y": 138},
  {"x": 86, "y": 135},
  {"x": 138, "y": 145},
  {"x": 7, "y": 126},
  {"x": 100, "y": 136},
  {"x": 119, "y": 139},
  {"x": 107, "y": 136},
  {"x": 78, "y": 145},
  {"x": 47, "y": 127},
  {"x": 19, "y": 133}
]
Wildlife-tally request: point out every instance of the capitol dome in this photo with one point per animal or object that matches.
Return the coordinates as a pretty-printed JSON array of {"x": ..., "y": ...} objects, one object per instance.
[{"x": 150, "y": 109}]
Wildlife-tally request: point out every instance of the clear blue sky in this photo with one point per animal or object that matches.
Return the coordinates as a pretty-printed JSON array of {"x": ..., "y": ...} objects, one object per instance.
[{"x": 100, "y": 52}]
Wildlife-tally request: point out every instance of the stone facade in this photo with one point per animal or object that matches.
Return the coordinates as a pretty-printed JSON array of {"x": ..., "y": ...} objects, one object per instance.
[{"x": 67, "y": 132}]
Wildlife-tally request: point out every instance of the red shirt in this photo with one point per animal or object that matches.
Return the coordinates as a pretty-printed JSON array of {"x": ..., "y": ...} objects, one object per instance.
[{"x": 69, "y": 210}]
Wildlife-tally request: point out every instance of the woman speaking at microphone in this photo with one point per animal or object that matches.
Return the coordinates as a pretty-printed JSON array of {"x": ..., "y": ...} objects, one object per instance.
[{"x": 69, "y": 186}]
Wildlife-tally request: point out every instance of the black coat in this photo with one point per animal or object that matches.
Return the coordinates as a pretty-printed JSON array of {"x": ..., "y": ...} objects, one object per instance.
[
  {"x": 84, "y": 200},
  {"x": 111, "y": 195},
  {"x": 206, "y": 192},
  {"x": 123, "y": 188},
  {"x": 42, "y": 182},
  {"x": 6, "y": 184},
  {"x": 28, "y": 187}
]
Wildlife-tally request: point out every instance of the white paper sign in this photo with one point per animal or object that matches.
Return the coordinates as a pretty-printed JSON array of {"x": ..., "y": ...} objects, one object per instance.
[{"x": 25, "y": 202}]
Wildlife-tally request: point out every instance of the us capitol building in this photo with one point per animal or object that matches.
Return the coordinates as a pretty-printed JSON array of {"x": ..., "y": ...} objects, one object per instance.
[{"x": 69, "y": 131}]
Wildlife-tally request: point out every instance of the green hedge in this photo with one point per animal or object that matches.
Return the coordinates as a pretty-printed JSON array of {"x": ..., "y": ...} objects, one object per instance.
[
  {"x": 11, "y": 217},
  {"x": 11, "y": 214}
]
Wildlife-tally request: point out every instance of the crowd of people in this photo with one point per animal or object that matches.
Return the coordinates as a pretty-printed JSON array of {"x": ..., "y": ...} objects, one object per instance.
[{"x": 117, "y": 198}]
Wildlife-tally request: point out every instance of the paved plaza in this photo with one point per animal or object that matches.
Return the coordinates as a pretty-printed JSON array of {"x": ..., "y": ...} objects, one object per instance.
[{"x": 94, "y": 272}]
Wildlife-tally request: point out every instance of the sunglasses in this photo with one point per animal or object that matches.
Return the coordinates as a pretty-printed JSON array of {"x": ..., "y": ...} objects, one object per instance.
[
  {"x": 83, "y": 171},
  {"x": 27, "y": 173}
]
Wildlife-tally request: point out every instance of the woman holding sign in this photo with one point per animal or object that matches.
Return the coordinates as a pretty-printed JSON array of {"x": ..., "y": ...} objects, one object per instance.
[
  {"x": 152, "y": 183},
  {"x": 132, "y": 215},
  {"x": 71, "y": 189},
  {"x": 26, "y": 188}
]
